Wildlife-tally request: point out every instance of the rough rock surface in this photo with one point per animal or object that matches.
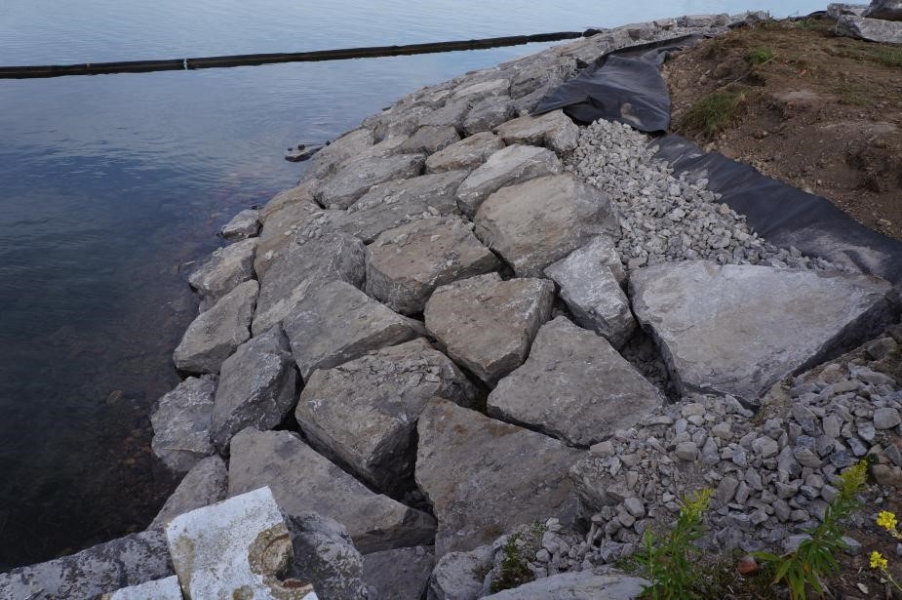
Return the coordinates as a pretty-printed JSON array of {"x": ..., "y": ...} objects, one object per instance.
[
  {"x": 325, "y": 555},
  {"x": 890, "y": 10},
  {"x": 365, "y": 411},
  {"x": 473, "y": 472},
  {"x": 469, "y": 153},
  {"x": 488, "y": 114},
  {"x": 430, "y": 139},
  {"x": 570, "y": 212},
  {"x": 511, "y": 165},
  {"x": 406, "y": 264},
  {"x": 554, "y": 130},
  {"x": 104, "y": 568},
  {"x": 214, "y": 335},
  {"x": 354, "y": 179},
  {"x": 284, "y": 223},
  {"x": 302, "y": 266},
  {"x": 181, "y": 424},
  {"x": 487, "y": 324},
  {"x": 399, "y": 574},
  {"x": 574, "y": 386},
  {"x": 159, "y": 589},
  {"x": 872, "y": 30},
  {"x": 457, "y": 575},
  {"x": 206, "y": 483},
  {"x": 583, "y": 585},
  {"x": 226, "y": 268},
  {"x": 590, "y": 280},
  {"x": 303, "y": 481},
  {"x": 346, "y": 148},
  {"x": 257, "y": 387},
  {"x": 338, "y": 323},
  {"x": 242, "y": 226},
  {"x": 740, "y": 329}
]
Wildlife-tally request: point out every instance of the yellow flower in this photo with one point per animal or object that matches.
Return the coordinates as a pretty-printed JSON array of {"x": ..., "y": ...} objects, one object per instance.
[
  {"x": 878, "y": 562},
  {"x": 887, "y": 520}
]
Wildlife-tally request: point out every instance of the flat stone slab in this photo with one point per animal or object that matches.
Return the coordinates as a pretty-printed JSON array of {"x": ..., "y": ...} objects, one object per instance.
[
  {"x": 304, "y": 481},
  {"x": 405, "y": 265},
  {"x": 364, "y": 412},
  {"x": 242, "y": 226},
  {"x": 740, "y": 329},
  {"x": 591, "y": 290},
  {"x": 338, "y": 323},
  {"x": 488, "y": 114},
  {"x": 234, "y": 549},
  {"x": 226, "y": 268},
  {"x": 582, "y": 585},
  {"x": 206, "y": 483},
  {"x": 513, "y": 164},
  {"x": 469, "y": 153},
  {"x": 487, "y": 324},
  {"x": 429, "y": 139},
  {"x": 303, "y": 265},
  {"x": 257, "y": 387},
  {"x": 554, "y": 130},
  {"x": 397, "y": 203},
  {"x": 285, "y": 224},
  {"x": 574, "y": 386},
  {"x": 160, "y": 589},
  {"x": 399, "y": 574},
  {"x": 354, "y": 179},
  {"x": 484, "y": 477},
  {"x": 181, "y": 424},
  {"x": 538, "y": 222},
  {"x": 215, "y": 334},
  {"x": 341, "y": 151}
]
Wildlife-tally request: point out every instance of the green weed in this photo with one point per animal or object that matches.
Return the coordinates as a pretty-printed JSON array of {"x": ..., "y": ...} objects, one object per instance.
[
  {"x": 514, "y": 571},
  {"x": 759, "y": 56},
  {"x": 713, "y": 112}
]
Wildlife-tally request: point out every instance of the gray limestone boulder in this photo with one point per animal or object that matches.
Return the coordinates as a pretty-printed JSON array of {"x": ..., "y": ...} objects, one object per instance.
[
  {"x": 469, "y": 153},
  {"x": 582, "y": 585},
  {"x": 299, "y": 194},
  {"x": 354, "y": 179},
  {"x": 158, "y": 589},
  {"x": 226, "y": 269},
  {"x": 364, "y": 413},
  {"x": 740, "y": 329},
  {"x": 304, "y": 265},
  {"x": 257, "y": 387},
  {"x": 483, "y": 477},
  {"x": 181, "y": 424},
  {"x": 304, "y": 481},
  {"x": 489, "y": 114},
  {"x": 888, "y": 10},
  {"x": 872, "y": 30},
  {"x": 474, "y": 92},
  {"x": 341, "y": 151},
  {"x": 397, "y": 203},
  {"x": 554, "y": 130},
  {"x": 101, "y": 569},
  {"x": 244, "y": 225},
  {"x": 215, "y": 334},
  {"x": 324, "y": 554},
  {"x": 457, "y": 574},
  {"x": 512, "y": 165},
  {"x": 592, "y": 292},
  {"x": 338, "y": 323},
  {"x": 429, "y": 139},
  {"x": 405, "y": 265},
  {"x": 486, "y": 324},
  {"x": 206, "y": 483},
  {"x": 399, "y": 574},
  {"x": 574, "y": 386},
  {"x": 452, "y": 113},
  {"x": 284, "y": 225},
  {"x": 536, "y": 223}
]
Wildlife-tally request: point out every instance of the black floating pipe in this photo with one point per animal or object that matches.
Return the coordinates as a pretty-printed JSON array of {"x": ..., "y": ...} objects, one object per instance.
[{"x": 237, "y": 60}]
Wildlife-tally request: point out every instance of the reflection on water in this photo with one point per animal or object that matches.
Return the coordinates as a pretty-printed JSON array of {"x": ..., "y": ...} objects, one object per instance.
[{"x": 110, "y": 186}]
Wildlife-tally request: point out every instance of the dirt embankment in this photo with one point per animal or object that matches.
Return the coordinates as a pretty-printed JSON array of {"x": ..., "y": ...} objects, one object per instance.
[{"x": 820, "y": 112}]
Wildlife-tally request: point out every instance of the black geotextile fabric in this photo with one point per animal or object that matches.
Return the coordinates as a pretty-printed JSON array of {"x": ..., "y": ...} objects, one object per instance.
[
  {"x": 624, "y": 85},
  {"x": 785, "y": 215}
]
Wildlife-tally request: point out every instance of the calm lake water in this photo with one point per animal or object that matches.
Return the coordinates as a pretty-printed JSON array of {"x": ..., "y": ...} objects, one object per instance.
[{"x": 111, "y": 185}]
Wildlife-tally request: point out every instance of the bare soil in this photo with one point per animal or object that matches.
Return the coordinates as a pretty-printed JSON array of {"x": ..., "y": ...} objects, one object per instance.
[{"x": 817, "y": 111}]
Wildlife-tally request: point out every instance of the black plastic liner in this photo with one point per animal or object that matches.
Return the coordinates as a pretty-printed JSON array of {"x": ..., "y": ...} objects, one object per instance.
[
  {"x": 624, "y": 85},
  {"x": 784, "y": 215}
]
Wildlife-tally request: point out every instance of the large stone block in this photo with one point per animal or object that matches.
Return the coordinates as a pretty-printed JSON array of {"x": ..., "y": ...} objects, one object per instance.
[
  {"x": 364, "y": 412},
  {"x": 460, "y": 575},
  {"x": 512, "y": 165},
  {"x": 304, "y": 481},
  {"x": 238, "y": 548},
  {"x": 489, "y": 114},
  {"x": 469, "y": 153},
  {"x": 257, "y": 387},
  {"x": 181, "y": 424},
  {"x": 341, "y": 151},
  {"x": 325, "y": 555},
  {"x": 539, "y": 222},
  {"x": 554, "y": 130},
  {"x": 206, "y": 483},
  {"x": 338, "y": 323},
  {"x": 286, "y": 224},
  {"x": 487, "y": 324},
  {"x": 399, "y": 574},
  {"x": 225, "y": 269},
  {"x": 484, "y": 477},
  {"x": 740, "y": 329},
  {"x": 582, "y": 585},
  {"x": 215, "y": 334},
  {"x": 354, "y": 179},
  {"x": 574, "y": 386},
  {"x": 406, "y": 264},
  {"x": 160, "y": 589},
  {"x": 429, "y": 139},
  {"x": 244, "y": 225}
]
